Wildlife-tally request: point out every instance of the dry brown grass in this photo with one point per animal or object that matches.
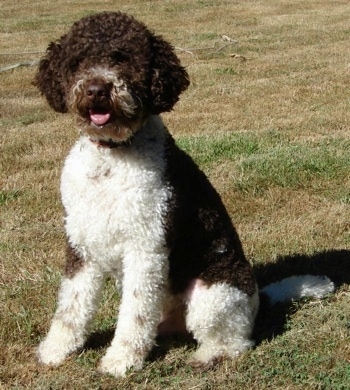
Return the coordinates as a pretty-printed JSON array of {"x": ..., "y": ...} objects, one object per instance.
[{"x": 271, "y": 128}]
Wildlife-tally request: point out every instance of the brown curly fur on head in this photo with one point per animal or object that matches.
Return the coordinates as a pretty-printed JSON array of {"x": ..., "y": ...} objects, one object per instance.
[{"x": 146, "y": 64}]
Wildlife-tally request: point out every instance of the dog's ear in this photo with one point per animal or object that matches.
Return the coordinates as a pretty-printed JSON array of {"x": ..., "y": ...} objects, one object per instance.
[
  {"x": 168, "y": 78},
  {"x": 49, "y": 78}
]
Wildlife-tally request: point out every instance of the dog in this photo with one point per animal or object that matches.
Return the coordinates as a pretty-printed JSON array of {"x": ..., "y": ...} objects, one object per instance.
[{"x": 138, "y": 208}]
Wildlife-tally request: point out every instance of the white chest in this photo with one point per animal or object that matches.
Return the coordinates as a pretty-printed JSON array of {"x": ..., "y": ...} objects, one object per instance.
[{"x": 115, "y": 200}]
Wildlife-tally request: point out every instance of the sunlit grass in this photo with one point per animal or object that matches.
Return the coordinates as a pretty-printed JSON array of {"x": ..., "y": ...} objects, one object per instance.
[{"x": 266, "y": 117}]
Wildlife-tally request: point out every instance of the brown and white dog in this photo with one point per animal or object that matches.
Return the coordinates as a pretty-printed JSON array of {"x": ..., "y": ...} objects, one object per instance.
[{"x": 137, "y": 207}]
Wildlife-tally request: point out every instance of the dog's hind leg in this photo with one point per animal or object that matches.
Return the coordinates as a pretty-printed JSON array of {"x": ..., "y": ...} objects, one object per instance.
[
  {"x": 77, "y": 302},
  {"x": 221, "y": 319}
]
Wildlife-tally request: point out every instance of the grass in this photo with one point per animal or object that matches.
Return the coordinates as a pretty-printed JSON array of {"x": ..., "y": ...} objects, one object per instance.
[{"x": 266, "y": 117}]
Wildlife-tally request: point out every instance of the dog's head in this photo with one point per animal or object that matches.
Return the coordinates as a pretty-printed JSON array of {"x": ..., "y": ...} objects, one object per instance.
[{"x": 113, "y": 73}]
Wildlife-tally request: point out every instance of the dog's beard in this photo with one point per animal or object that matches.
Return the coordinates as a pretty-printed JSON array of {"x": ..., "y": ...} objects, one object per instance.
[
  {"x": 118, "y": 131},
  {"x": 114, "y": 118}
]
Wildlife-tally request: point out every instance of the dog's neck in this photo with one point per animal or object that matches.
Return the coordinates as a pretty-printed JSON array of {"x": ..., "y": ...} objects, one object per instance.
[{"x": 109, "y": 144}]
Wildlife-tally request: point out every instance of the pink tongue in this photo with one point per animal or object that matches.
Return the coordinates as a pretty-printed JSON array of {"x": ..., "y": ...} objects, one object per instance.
[{"x": 99, "y": 119}]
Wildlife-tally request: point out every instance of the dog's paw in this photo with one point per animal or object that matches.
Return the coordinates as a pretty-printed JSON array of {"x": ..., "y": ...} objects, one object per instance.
[
  {"x": 60, "y": 342},
  {"x": 204, "y": 365},
  {"x": 117, "y": 364},
  {"x": 113, "y": 366},
  {"x": 51, "y": 354},
  {"x": 204, "y": 359}
]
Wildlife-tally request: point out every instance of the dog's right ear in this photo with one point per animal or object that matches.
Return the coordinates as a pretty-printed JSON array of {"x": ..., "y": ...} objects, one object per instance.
[{"x": 49, "y": 78}]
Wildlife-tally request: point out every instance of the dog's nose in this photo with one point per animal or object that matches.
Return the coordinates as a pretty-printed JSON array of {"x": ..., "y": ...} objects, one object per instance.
[{"x": 97, "y": 91}]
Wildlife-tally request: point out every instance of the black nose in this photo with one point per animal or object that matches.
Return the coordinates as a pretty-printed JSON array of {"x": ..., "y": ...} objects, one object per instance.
[{"x": 98, "y": 91}]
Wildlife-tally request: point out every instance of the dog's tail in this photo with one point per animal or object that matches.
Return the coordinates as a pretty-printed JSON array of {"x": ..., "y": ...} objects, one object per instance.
[{"x": 297, "y": 287}]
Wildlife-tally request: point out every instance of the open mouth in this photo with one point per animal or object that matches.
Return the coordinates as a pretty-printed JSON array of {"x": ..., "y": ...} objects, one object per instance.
[{"x": 99, "y": 118}]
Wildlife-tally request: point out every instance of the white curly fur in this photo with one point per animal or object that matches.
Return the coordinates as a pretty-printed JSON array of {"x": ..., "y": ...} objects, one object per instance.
[
  {"x": 114, "y": 202},
  {"x": 222, "y": 318},
  {"x": 296, "y": 287}
]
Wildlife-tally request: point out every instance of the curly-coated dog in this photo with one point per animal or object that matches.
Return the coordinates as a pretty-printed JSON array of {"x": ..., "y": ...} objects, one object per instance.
[{"x": 137, "y": 207}]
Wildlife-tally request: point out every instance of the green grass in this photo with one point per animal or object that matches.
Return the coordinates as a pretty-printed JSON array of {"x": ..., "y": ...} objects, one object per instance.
[
  {"x": 270, "y": 159},
  {"x": 8, "y": 196},
  {"x": 266, "y": 117}
]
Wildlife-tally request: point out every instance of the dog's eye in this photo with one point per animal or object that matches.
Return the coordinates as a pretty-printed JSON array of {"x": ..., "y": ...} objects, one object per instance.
[{"x": 119, "y": 56}]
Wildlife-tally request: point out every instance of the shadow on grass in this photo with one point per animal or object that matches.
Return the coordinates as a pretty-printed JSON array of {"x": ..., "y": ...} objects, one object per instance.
[
  {"x": 270, "y": 321},
  {"x": 335, "y": 264},
  {"x": 101, "y": 339}
]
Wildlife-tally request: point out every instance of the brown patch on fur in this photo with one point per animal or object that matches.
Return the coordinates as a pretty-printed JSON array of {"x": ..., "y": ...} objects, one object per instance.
[
  {"x": 203, "y": 242},
  {"x": 74, "y": 262}
]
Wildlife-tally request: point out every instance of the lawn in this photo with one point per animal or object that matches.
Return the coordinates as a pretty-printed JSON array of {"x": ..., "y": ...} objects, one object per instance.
[{"x": 267, "y": 117}]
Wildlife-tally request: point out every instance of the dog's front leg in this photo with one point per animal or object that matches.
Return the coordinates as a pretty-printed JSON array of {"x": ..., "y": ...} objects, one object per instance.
[
  {"x": 139, "y": 313},
  {"x": 77, "y": 302}
]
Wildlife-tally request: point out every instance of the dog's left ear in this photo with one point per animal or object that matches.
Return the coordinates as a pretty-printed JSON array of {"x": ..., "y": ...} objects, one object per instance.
[{"x": 169, "y": 78}]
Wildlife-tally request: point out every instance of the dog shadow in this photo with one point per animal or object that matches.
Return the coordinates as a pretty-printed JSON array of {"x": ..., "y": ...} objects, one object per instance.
[{"x": 270, "y": 321}]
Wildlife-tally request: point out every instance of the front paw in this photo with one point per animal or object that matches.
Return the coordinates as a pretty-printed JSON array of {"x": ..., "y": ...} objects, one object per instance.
[
  {"x": 60, "y": 342},
  {"x": 118, "y": 364},
  {"x": 51, "y": 354}
]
